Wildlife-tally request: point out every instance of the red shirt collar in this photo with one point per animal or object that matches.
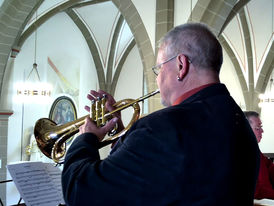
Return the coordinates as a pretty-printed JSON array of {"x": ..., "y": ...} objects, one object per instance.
[{"x": 190, "y": 93}]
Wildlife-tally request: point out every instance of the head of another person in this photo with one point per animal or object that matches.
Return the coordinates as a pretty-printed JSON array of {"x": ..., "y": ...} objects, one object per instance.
[
  {"x": 189, "y": 56},
  {"x": 255, "y": 123}
]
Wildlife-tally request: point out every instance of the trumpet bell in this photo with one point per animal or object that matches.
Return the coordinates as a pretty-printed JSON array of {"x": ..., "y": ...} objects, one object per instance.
[
  {"x": 42, "y": 131},
  {"x": 51, "y": 137}
]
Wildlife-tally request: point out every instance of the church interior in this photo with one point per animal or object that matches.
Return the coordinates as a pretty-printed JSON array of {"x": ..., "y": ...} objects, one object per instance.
[{"x": 53, "y": 52}]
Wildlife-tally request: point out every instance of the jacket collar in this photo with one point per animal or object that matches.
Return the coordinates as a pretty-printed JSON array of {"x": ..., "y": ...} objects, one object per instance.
[
  {"x": 190, "y": 93},
  {"x": 208, "y": 91}
]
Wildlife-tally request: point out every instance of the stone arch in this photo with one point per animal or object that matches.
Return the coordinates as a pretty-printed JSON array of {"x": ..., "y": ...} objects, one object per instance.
[
  {"x": 136, "y": 25},
  {"x": 217, "y": 15},
  {"x": 14, "y": 16},
  {"x": 237, "y": 66},
  {"x": 92, "y": 47}
]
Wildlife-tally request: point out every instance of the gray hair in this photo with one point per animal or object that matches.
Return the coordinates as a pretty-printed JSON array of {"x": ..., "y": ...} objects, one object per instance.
[
  {"x": 249, "y": 114},
  {"x": 197, "y": 42}
]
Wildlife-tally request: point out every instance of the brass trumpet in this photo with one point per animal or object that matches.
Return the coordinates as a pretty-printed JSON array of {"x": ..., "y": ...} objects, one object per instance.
[{"x": 51, "y": 138}]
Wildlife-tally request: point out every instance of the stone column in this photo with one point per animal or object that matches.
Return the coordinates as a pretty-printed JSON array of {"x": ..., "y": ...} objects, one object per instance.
[{"x": 4, "y": 120}]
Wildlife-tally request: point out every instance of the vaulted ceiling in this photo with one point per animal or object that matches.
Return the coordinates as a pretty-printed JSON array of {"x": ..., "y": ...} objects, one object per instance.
[{"x": 123, "y": 27}]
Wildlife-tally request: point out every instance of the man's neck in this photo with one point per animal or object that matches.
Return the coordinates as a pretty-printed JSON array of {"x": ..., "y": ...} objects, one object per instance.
[
  {"x": 195, "y": 81},
  {"x": 190, "y": 93}
]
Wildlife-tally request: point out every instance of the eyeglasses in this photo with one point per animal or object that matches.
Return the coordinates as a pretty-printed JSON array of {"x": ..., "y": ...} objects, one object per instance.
[
  {"x": 258, "y": 128},
  {"x": 156, "y": 69}
]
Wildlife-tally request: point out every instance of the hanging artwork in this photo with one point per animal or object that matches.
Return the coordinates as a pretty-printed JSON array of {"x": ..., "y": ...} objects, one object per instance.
[{"x": 63, "y": 110}]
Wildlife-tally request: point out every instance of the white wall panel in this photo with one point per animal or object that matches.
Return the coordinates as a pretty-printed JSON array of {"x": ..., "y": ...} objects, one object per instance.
[{"x": 147, "y": 12}]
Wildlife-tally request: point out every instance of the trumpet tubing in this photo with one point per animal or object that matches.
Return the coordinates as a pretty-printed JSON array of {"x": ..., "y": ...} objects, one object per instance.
[{"x": 51, "y": 138}]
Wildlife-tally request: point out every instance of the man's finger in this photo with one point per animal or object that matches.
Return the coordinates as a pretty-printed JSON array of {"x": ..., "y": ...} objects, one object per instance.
[
  {"x": 87, "y": 108},
  {"x": 110, "y": 125}
]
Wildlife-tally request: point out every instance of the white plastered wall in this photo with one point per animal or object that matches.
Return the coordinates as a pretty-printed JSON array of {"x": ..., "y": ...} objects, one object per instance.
[
  {"x": 228, "y": 76},
  {"x": 61, "y": 41},
  {"x": 130, "y": 82},
  {"x": 146, "y": 10},
  {"x": 267, "y": 117}
]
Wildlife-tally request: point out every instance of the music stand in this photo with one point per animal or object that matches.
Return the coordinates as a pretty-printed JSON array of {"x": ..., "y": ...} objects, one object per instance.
[{"x": 18, "y": 204}]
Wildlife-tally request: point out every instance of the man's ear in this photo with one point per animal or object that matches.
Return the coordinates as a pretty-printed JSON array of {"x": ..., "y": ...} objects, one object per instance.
[{"x": 183, "y": 65}]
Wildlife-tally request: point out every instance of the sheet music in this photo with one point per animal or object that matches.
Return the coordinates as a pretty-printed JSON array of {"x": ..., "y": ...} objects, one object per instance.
[
  {"x": 38, "y": 183},
  {"x": 264, "y": 202}
]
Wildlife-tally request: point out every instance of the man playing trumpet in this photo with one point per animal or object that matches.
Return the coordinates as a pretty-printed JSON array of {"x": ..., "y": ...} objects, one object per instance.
[{"x": 190, "y": 153}]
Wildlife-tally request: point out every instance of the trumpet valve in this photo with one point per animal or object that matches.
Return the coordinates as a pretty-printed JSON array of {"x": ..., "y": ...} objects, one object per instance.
[
  {"x": 92, "y": 110},
  {"x": 103, "y": 121},
  {"x": 97, "y": 111}
]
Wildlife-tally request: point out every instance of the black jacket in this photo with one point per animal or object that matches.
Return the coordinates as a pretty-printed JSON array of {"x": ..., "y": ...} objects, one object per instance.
[{"x": 201, "y": 152}]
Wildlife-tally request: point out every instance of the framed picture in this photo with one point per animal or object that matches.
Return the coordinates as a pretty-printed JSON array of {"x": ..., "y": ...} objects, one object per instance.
[{"x": 63, "y": 110}]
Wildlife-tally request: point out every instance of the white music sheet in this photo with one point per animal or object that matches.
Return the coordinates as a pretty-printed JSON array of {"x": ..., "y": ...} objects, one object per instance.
[
  {"x": 264, "y": 202},
  {"x": 38, "y": 183}
]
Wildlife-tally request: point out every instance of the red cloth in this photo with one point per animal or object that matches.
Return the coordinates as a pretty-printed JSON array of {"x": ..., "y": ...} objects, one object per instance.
[
  {"x": 190, "y": 93},
  {"x": 264, "y": 187}
]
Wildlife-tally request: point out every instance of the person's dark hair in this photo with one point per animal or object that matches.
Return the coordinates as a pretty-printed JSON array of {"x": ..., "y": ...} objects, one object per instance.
[
  {"x": 196, "y": 41},
  {"x": 249, "y": 114}
]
